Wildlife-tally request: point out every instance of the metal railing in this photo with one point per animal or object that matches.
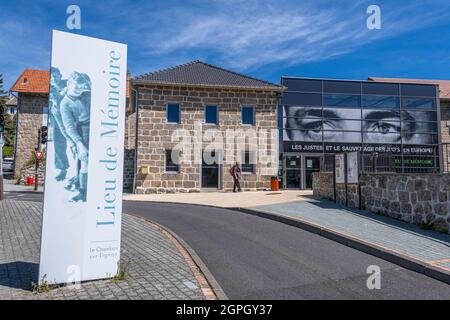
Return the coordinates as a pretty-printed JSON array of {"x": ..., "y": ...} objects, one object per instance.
[{"x": 437, "y": 162}]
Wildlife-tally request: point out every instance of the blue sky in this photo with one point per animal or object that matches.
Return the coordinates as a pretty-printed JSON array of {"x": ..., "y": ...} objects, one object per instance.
[{"x": 265, "y": 39}]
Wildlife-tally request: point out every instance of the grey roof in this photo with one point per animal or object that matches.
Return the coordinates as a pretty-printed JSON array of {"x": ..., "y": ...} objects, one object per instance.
[
  {"x": 203, "y": 74},
  {"x": 11, "y": 100}
]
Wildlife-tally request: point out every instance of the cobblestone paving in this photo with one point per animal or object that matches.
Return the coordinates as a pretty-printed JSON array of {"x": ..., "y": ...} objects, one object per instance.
[{"x": 154, "y": 267}]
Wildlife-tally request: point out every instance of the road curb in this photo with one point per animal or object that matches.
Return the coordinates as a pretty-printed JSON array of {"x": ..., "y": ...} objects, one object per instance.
[
  {"x": 378, "y": 251},
  {"x": 197, "y": 262}
]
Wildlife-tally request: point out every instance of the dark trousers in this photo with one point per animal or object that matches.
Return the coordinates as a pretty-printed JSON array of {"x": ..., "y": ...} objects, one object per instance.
[
  {"x": 237, "y": 185},
  {"x": 83, "y": 129},
  {"x": 60, "y": 143}
]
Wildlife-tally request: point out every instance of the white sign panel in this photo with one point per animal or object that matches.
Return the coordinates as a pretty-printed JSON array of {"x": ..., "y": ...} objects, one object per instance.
[
  {"x": 352, "y": 167},
  {"x": 83, "y": 181},
  {"x": 340, "y": 168}
]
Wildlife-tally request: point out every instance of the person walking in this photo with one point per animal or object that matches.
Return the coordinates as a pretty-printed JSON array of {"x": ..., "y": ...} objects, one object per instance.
[{"x": 236, "y": 174}]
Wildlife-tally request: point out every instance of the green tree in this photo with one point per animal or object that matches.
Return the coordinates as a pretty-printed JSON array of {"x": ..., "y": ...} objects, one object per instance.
[
  {"x": 10, "y": 130},
  {"x": 9, "y": 121},
  {"x": 2, "y": 93}
]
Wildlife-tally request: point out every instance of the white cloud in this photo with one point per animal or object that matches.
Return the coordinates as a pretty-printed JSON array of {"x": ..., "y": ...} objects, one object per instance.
[
  {"x": 241, "y": 34},
  {"x": 247, "y": 35}
]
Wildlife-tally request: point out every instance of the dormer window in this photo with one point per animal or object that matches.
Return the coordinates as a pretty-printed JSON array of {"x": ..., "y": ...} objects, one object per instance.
[{"x": 25, "y": 80}]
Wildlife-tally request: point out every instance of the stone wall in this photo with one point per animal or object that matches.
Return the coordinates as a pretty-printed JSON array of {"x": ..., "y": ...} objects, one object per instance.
[
  {"x": 323, "y": 185},
  {"x": 129, "y": 145},
  {"x": 155, "y": 133},
  {"x": 30, "y": 170},
  {"x": 128, "y": 170},
  {"x": 29, "y": 120},
  {"x": 130, "y": 125},
  {"x": 421, "y": 199},
  {"x": 347, "y": 196},
  {"x": 445, "y": 134}
]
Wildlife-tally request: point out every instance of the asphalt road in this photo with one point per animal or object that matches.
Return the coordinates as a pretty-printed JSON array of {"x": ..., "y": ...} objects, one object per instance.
[{"x": 256, "y": 258}]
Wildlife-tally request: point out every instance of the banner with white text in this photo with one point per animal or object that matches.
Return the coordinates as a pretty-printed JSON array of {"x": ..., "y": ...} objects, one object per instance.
[{"x": 84, "y": 160}]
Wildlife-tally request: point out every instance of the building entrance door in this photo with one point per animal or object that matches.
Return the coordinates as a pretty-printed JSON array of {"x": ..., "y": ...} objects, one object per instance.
[
  {"x": 210, "y": 173},
  {"x": 312, "y": 164},
  {"x": 292, "y": 171}
]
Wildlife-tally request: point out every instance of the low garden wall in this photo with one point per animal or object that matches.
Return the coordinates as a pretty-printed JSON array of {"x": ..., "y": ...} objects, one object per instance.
[
  {"x": 30, "y": 170},
  {"x": 323, "y": 185},
  {"x": 422, "y": 199}
]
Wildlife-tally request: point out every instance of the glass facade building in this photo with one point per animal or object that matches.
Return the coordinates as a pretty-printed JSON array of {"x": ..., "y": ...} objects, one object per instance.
[{"x": 319, "y": 118}]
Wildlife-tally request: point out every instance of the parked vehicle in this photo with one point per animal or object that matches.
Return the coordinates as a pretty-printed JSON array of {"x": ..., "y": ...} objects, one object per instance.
[{"x": 8, "y": 165}]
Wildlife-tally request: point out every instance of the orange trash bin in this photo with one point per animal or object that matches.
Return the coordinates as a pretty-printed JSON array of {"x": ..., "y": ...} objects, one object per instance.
[{"x": 274, "y": 186}]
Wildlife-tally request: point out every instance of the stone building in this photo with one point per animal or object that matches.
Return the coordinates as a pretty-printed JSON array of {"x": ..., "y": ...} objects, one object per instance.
[
  {"x": 32, "y": 108},
  {"x": 11, "y": 104},
  {"x": 174, "y": 105}
]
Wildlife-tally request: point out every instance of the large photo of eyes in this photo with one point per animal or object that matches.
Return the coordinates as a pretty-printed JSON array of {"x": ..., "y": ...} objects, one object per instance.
[
  {"x": 356, "y": 125},
  {"x": 310, "y": 124},
  {"x": 395, "y": 126}
]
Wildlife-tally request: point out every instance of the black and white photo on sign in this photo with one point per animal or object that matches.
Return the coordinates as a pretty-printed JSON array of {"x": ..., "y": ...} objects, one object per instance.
[
  {"x": 69, "y": 103},
  {"x": 313, "y": 124}
]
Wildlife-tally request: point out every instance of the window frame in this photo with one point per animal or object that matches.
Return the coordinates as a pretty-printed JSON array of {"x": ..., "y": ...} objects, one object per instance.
[
  {"x": 177, "y": 171},
  {"x": 217, "y": 114},
  {"x": 253, "y": 115},
  {"x": 167, "y": 113}
]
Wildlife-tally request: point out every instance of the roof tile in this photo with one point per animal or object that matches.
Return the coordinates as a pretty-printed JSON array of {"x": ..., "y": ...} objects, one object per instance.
[
  {"x": 38, "y": 81},
  {"x": 32, "y": 81},
  {"x": 203, "y": 74}
]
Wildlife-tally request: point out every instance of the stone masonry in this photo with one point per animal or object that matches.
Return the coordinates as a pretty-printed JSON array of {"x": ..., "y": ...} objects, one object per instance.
[
  {"x": 422, "y": 199},
  {"x": 323, "y": 185},
  {"x": 31, "y": 171},
  {"x": 29, "y": 120},
  {"x": 445, "y": 133},
  {"x": 155, "y": 133}
]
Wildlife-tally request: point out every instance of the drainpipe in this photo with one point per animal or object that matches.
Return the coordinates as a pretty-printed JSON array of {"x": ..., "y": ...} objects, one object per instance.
[
  {"x": 135, "y": 137},
  {"x": 17, "y": 132}
]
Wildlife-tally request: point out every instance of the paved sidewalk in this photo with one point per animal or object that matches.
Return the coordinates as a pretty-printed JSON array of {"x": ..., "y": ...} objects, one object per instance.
[
  {"x": 11, "y": 186},
  {"x": 429, "y": 247},
  {"x": 224, "y": 199},
  {"x": 155, "y": 269}
]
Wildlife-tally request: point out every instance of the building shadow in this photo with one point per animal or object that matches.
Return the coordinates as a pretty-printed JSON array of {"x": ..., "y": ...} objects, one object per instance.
[
  {"x": 19, "y": 274},
  {"x": 398, "y": 224}
]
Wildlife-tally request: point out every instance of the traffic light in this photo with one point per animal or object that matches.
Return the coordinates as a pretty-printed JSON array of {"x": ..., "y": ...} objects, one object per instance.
[
  {"x": 44, "y": 134},
  {"x": 2, "y": 119}
]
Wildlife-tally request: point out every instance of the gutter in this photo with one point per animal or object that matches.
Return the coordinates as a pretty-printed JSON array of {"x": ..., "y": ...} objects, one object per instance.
[
  {"x": 135, "y": 136},
  {"x": 212, "y": 86}
]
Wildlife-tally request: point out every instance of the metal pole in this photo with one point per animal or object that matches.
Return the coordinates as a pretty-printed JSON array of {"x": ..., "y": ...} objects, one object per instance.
[
  {"x": 345, "y": 179},
  {"x": 136, "y": 142},
  {"x": 36, "y": 179},
  {"x": 334, "y": 178}
]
